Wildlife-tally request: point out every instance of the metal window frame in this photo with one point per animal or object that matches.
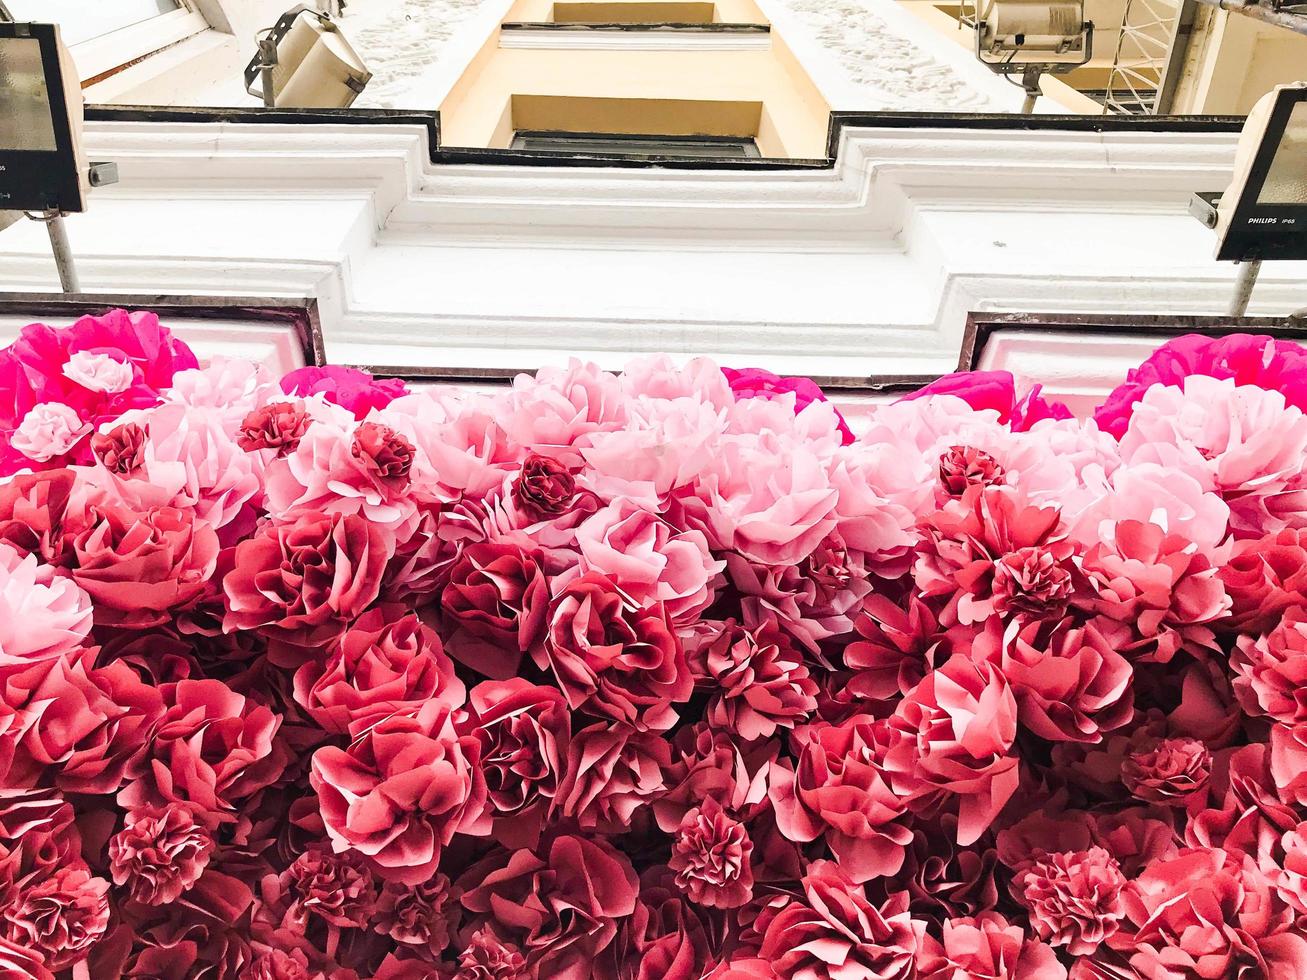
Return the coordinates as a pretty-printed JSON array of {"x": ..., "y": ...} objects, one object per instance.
[{"x": 747, "y": 144}]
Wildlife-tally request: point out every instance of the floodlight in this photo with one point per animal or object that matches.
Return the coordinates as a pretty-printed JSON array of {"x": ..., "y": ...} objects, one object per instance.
[
  {"x": 305, "y": 62},
  {"x": 42, "y": 165},
  {"x": 1032, "y": 38},
  {"x": 1263, "y": 213}
]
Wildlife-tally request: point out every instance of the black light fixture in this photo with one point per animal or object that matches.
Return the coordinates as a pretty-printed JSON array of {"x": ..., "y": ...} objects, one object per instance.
[
  {"x": 42, "y": 166},
  {"x": 1262, "y": 215}
]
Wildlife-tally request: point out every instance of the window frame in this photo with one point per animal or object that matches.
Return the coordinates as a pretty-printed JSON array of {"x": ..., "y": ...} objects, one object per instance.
[
  {"x": 99, "y": 57},
  {"x": 663, "y": 145}
]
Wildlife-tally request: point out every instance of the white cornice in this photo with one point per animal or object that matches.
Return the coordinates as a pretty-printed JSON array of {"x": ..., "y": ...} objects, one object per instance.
[
  {"x": 680, "y": 39},
  {"x": 870, "y": 265}
]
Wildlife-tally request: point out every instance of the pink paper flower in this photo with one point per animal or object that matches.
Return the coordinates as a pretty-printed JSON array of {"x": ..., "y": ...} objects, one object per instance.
[
  {"x": 710, "y": 857},
  {"x": 757, "y": 383},
  {"x": 1074, "y": 898},
  {"x": 760, "y": 682},
  {"x": 1248, "y": 359},
  {"x": 160, "y": 853},
  {"x": 48, "y": 430},
  {"x": 1272, "y": 670},
  {"x": 987, "y": 947},
  {"x": 42, "y": 616}
]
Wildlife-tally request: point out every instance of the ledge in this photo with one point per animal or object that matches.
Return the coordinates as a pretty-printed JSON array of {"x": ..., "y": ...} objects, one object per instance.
[{"x": 635, "y": 37}]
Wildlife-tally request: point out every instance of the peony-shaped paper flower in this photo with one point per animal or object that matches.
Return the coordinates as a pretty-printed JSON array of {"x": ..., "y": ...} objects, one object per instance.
[
  {"x": 759, "y": 682},
  {"x": 1070, "y": 683},
  {"x": 835, "y": 931},
  {"x": 839, "y": 788},
  {"x": 42, "y": 616},
  {"x": 1074, "y": 898},
  {"x": 401, "y": 791},
  {"x": 524, "y": 731},
  {"x": 757, "y": 383},
  {"x": 120, "y": 450},
  {"x": 159, "y": 854},
  {"x": 1167, "y": 771},
  {"x": 560, "y": 906},
  {"x": 278, "y": 426},
  {"x": 710, "y": 857},
  {"x": 1248, "y": 359},
  {"x": 488, "y": 957},
  {"x": 612, "y": 772},
  {"x": 47, "y": 431},
  {"x": 139, "y": 568},
  {"x": 987, "y": 948},
  {"x": 954, "y": 736},
  {"x": 1272, "y": 670},
  {"x": 614, "y": 658},
  {"x": 59, "y": 916},
  {"x": 385, "y": 663},
  {"x": 212, "y": 749},
  {"x": 355, "y": 391},
  {"x": 416, "y": 915},
  {"x": 995, "y": 391},
  {"x": 337, "y": 888},
  {"x": 301, "y": 583},
  {"x": 544, "y": 488}
]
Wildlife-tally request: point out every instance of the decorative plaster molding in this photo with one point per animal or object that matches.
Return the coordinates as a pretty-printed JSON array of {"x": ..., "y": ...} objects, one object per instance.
[{"x": 866, "y": 268}]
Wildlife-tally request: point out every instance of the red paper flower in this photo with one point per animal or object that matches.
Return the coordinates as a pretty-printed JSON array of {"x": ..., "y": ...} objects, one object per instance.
[
  {"x": 160, "y": 853},
  {"x": 759, "y": 682},
  {"x": 1169, "y": 771},
  {"x": 1074, "y": 898},
  {"x": 278, "y": 426},
  {"x": 59, "y": 916},
  {"x": 612, "y": 772},
  {"x": 987, "y": 948},
  {"x": 401, "y": 792},
  {"x": 710, "y": 857},
  {"x": 496, "y": 603}
]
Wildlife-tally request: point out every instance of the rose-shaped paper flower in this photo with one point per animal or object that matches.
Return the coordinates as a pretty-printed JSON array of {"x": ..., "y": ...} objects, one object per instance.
[
  {"x": 1276, "y": 365},
  {"x": 759, "y": 680},
  {"x": 351, "y": 389},
  {"x": 59, "y": 916},
  {"x": 1070, "y": 683},
  {"x": 301, "y": 583},
  {"x": 961, "y": 467},
  {"x": 496, "y": 601},
  {"x": 416, "y": 914},
  {"x": 278, "y": 426},
  {"x": 32, "y": 511},
  {"x": 21, "y": 962},
  {"x": 757, "y": 383},
  {"x": 159, "y": 854},
  {"x": 1204, "y": 911},
  {"x": 710, "y": 857},
  {"x": 987, "y": 948},
  {"x": 614, "y": 658},
  {"x": 385, "y": 663},
  {"x": 611, "y": 773},
  {"x": 1168, "y": 771},
  {"x": 994, "y": 553},
  {"x": 666, "y": 936},
  {"x": 897, "y": 648},
  {"x": 524, "y": 730},
  {"x": 401, "y": 792},
  {"x": 650, "y": 559},
  {"x": 121, "y": 450},
  {"x": 543, "y": 488},
  {"x": 141, "y": 567},
  {"x": 1272, "y": 670},
  {"x": 88, "y": 728},
  {"x": 383, "y": 453},
  {"x": 1074, "y": 898},
  {"x": 211, "y": 749},
  {"x": 560, "y": 908},
  {"x": 995, "y": 391},
  {"x": 709, "y": 764},
  {"x": 42, "y": 616},
  {"x": 1265, "y": 578},
  {"x": 955, "y": 734},
  {"x": 836, "y": 931},
  {"x": 839, "y": 787}
]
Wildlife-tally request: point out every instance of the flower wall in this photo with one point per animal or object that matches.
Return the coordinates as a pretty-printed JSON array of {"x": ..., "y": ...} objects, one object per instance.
[{"x": 663, "y": 675}]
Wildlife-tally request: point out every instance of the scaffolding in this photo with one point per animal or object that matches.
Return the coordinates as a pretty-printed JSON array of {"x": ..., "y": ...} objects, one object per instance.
[{"x": 1148, "y": 56}]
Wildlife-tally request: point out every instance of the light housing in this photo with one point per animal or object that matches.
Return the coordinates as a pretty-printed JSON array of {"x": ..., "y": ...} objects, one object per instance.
[
  {"x": 42, "y": 163},
  {"x": 1013, "y": 35},
  {"x": 1263, "y": 213},
  {"x": 316, "y": 67}
]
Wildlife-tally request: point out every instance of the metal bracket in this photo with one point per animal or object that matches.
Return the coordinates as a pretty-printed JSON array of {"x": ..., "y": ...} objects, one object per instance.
[
  {"x": 1203, "y": 206},
  {"x": 102, "y": 174}
]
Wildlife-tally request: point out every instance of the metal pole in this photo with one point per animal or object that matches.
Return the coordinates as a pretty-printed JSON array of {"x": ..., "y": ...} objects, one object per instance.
[
  {"x": 1243, "y": 286},
  {"x": 1030, "y": 82},
  {"x": 63, "y": 253},
  {"x": 1265, "y": 13},
  {"x": 267, "y": 62}
]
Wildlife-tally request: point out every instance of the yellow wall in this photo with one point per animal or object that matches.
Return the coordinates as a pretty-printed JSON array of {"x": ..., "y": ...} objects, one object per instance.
[
  {"x": 727, "y": 11},
  {"x": 1235, "y": 60},
  {"x": 479, "y": 110}
]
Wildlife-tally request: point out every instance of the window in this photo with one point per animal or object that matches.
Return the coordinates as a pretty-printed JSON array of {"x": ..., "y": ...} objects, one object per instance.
[
  {"x": 82, "y": 20},
  {"x": 703, "y": 147}
]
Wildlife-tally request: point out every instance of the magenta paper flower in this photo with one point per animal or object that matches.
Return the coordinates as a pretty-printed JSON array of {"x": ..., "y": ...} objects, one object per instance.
[
  {"x": 353, "y": 390},
  {"x": 757, "y": 383},
  {"x": 1248, "y": 359},
  {"x": 997, "y": 391}
]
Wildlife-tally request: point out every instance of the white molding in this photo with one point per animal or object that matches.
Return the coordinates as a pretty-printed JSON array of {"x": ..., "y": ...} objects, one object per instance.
[
  {"x": 869, "y": 267},
  {"x": 98, "y": 55},
  {"x": 679, "y": 39}
]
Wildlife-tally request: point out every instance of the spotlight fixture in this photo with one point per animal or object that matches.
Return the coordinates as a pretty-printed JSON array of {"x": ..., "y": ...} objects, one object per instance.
[
  {"x": 1263, "y": 213},
  {"x": 305, "y": 62},
  {"x": 1031, "y": 38}
]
